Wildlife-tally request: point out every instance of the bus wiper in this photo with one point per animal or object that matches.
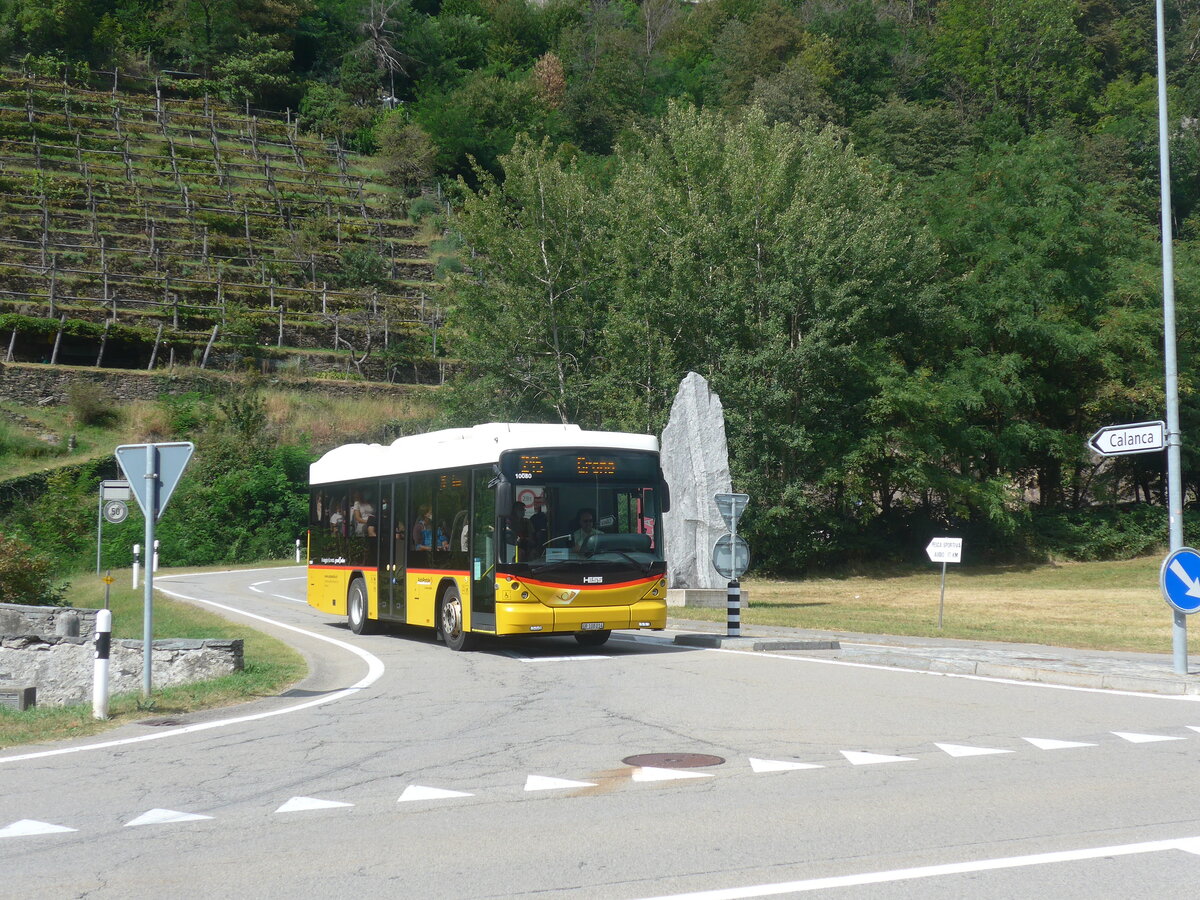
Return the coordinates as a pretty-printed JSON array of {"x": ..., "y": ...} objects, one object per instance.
[{"x": 645, "y": 567}]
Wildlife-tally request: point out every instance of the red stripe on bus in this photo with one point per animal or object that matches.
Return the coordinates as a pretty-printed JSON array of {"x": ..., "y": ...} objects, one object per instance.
[{"x": 586, "y": 587}]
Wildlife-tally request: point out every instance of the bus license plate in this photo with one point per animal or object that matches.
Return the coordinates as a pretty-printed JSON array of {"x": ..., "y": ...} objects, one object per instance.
[{"x": 592, "y": 626}]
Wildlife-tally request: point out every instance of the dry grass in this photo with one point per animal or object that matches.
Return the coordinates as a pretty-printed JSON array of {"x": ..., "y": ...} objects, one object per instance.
[
  {"x": 1110, "y": 605},
  {"x": 326, "y": 421}
]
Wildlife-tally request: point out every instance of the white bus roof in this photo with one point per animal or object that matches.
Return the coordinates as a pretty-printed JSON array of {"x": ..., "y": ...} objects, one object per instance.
[{"x": 457, "y": 447}]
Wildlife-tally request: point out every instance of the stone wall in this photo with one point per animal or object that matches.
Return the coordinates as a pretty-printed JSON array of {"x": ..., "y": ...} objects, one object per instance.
[
  {"x": 61, "y": 668},
  {"x": 51, "y": 648},
  {"x": 47, "y": 620},
  {"x": 31, "y": 384}
]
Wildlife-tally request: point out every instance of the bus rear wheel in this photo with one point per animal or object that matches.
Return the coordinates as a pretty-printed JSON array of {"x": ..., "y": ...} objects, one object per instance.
[
  {"x": 450, "y": 621},
  {"x": 592, "y": 638},
  {"x": 356, "y": 607}
]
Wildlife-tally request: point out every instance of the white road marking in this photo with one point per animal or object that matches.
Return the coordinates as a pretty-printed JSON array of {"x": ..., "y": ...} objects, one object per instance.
[
  {"x": 164, "y": 817},
  {"x": 781, "y": 655},
  {"x": 375, "y": 670},
  {"x": 26, "y": 827},
  {"x": 779, "y": 765},
  {"x": 303, "y": 804},
  {"x": 1051, "y": 744},
  {"x": 1188, "y": 845},
  {"x": 418, "y": 792},
  {"x": 862, "y": 758},
  {"x": 961, "y": 750},
  {"x": 653, "y": 773},
  {"x": 537, "y": 659},
  {"x": 1135, "y": 738},
  {"x": 546, "y": 783}
]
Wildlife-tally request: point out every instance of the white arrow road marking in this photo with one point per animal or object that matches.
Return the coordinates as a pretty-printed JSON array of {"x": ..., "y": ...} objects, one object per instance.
[
  {"x": 653, "y": 773},
  {"x": 417, "y": 792},
  {"x": 1134, "y": 738},
  {"x": 862, "y": 758},
  {"x": 546, "y": 783},
  {"x": 779, "y": 765},
  {"x": 962, "y": 750},
  {"x": 164, "y": 817},
  {"x": 1193, "y": 587},
  {"x": 1050, "y": 744},
  {"x": 1194, "y": 727},
  {"x": 303, "y": 804},
  {"x": 26, "y": 827}
]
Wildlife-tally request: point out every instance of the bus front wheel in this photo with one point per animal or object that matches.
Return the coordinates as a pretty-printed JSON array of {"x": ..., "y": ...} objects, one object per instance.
[
  {"x": 451, "y": 622},
  {"x": 356, "y": 607}
]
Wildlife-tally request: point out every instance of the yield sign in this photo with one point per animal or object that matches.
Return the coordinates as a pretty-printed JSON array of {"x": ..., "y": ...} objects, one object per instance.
[
  {"x": 152, "y": 471},
  {"x": 731, "y": 507}
]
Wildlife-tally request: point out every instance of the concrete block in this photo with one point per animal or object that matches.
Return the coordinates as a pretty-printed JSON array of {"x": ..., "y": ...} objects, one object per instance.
[{"x": 703, "y": 598}]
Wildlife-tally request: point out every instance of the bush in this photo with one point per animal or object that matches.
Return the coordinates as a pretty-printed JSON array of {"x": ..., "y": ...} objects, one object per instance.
[
  {"x": 90, "y": 405},
  {"x": 25, "y": 576}
]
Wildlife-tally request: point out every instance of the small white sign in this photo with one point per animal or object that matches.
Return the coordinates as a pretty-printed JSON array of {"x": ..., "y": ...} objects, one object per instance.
[
  {"x": 945, "y": 550},
  {"x": 1137, "y": 437}
]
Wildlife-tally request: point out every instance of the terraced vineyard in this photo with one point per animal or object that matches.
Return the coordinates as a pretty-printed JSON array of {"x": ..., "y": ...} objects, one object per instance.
[{"x": 141, "y": 230}]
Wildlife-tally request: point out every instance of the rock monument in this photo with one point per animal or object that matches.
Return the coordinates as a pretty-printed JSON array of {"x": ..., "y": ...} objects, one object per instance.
[{"x": 695, "y": 461}]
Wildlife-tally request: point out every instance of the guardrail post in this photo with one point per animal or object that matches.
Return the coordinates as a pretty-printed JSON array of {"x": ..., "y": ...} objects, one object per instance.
[{"x": 103, "y": 641}]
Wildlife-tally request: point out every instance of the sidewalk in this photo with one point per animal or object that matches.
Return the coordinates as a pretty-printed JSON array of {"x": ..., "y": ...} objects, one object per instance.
[{"x": 1147, "y": 672}]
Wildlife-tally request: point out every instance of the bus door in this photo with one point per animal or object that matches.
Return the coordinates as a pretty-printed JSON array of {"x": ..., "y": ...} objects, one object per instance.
[
  {"x": 393, "y": 542},
  {"x": 483, "y": 550}
]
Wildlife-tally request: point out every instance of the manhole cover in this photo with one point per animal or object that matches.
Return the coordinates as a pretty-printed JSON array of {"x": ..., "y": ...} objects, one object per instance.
[
  {"x": 673, "y": 760},
  {"x": 163, "y": 722}
]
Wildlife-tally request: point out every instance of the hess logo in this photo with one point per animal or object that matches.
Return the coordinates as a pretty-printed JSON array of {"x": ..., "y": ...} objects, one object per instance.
[{"x": 593, "y": 579}]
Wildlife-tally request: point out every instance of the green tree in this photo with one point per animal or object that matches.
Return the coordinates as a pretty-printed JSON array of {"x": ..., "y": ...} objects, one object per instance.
[
  {"x": 786, "y": 269},
  {"x": 1026, "y": 57},
  {"x": 1033, "y": 242},
  {"x": 527, "y": 318}
]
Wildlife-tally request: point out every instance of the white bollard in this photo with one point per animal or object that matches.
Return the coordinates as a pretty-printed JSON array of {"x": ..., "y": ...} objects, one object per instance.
[
  {"x": 103, "y": 641},
  {"x": 137, "y": 549},
  {"x": 297, "y": 549},
  {"x": 156, "y": 557}
]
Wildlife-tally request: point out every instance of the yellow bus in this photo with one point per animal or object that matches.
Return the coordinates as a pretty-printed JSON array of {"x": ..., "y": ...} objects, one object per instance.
[{"x": 501, "y": 529}]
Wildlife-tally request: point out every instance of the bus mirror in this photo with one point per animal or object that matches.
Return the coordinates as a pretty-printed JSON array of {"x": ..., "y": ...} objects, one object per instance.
[
  {"x": 504, "y": 497},
  {"x": 664, "y": 502}
]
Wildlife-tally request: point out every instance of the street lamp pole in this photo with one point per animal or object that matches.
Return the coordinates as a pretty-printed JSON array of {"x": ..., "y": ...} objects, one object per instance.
[{"x": 1174, "y": 439}]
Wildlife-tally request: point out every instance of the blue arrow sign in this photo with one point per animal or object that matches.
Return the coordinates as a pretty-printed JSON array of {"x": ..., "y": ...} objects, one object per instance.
[{"x": 1180, "y": 579}]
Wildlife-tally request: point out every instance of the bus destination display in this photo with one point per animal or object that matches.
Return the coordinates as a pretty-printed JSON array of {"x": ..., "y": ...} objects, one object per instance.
[{"x": 569, "y": 466}]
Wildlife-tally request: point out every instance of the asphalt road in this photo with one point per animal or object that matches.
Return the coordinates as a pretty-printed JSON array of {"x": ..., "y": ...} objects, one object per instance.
[{"x": 402, "y": 769}]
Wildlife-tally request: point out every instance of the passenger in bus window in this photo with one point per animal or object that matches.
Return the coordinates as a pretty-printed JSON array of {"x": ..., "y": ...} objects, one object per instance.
[
  {"x": 443, "y": 539},
  {"x": 540, "y": 527},
  {"x": 336, "y": 519},
  {"x": 587, "y": 528},
  {"x": 361, "y": 512},
  {"x": 422, "y": 530},
  {"x": 518, "y": 534}
]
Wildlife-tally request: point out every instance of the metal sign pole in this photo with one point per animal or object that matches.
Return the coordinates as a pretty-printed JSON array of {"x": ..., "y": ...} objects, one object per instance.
[
  {"x": 148, "y": 579},
  {"x": 1174, "y": 479},
  {"x": 99, "y": 525},
  {"x": 942, "y": 599}
]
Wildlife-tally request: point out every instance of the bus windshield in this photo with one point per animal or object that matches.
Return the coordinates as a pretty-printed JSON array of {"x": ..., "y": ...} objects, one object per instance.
[{"x": 582, "y": 509}]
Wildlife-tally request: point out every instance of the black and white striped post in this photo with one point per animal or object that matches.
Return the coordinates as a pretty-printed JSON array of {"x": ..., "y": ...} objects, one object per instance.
[
  {"x": 733, "y": 612},
  {"x": 103, "y": 639},
  {"x": 731, "y": 558}
]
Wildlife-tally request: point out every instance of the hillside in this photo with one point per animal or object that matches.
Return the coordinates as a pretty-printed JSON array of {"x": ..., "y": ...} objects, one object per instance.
[{"x": 142, "y": 230}]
